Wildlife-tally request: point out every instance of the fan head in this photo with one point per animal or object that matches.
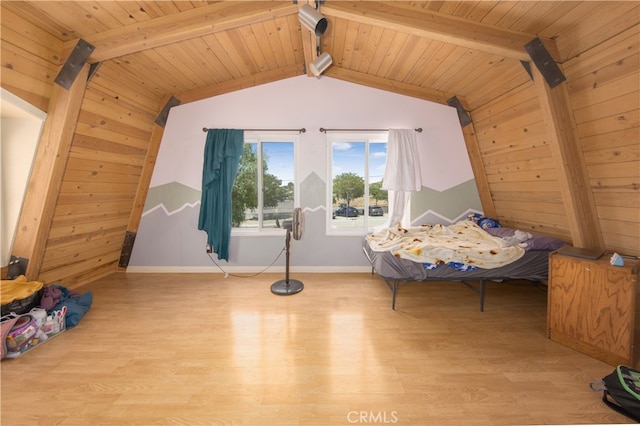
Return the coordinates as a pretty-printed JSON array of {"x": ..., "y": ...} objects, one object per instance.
[{"x": 296, "y": 223}]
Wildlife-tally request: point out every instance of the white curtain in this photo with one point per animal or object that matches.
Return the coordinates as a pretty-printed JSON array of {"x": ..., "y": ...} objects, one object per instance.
[{"x": 402, "y": 173}]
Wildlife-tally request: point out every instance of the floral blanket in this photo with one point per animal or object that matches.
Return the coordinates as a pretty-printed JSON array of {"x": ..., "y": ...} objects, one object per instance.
[{"x": 463, "y": 242}]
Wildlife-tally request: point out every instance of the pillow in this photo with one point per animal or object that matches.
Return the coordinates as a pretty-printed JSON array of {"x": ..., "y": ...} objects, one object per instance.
[{"x": 536, "y": 242}]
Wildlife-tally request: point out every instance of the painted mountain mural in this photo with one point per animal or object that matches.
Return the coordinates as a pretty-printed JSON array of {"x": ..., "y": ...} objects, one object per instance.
[{"x": 171, "y": 197}]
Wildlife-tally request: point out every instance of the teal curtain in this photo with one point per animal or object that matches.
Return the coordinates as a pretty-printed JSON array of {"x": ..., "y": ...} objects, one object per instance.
[{"x": 222, "y": 153}]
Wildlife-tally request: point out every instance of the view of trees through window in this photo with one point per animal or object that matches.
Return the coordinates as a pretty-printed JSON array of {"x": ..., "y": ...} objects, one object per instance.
[
  {"x": 263, "y": 192},
  {"x": 357, "y": 168}
]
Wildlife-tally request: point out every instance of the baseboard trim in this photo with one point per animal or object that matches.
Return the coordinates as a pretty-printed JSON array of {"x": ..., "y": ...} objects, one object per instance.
[{"x": 246, "y": 269}]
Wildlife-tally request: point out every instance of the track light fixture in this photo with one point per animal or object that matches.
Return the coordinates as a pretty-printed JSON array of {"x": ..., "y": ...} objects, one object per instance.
[
  {"x": 312, "y": 19},
  {"x": 321, "y": 63}
]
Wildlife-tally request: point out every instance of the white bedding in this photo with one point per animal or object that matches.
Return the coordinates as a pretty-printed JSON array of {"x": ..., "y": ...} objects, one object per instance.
[{"x": 463, "y": 242}]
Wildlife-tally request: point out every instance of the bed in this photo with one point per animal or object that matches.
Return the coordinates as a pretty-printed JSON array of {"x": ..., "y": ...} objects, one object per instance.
[{"x": 462, "y": 252}]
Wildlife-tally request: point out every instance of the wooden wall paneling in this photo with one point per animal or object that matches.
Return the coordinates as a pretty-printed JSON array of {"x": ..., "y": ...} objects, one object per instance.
[
  {"x": 78, "y": 273},
  {"x": 47, "y": 172},
  {"x": 569, "y": 160},
  {"x": 475, "y": 158},
  {"x": 142, "y": 189}
]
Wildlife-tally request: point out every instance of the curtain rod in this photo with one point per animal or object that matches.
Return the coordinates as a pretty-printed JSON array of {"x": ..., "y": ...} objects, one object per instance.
[
  {"x": 323, "y": 130},
  {"x": 302, "y": 130}
]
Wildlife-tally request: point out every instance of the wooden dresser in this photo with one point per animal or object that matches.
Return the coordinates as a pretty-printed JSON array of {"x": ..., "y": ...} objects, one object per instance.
[{"x": 594, "y": 307}]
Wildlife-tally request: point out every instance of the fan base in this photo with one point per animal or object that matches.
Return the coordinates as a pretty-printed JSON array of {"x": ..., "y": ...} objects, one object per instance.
[{"x": 284, "y": 288}]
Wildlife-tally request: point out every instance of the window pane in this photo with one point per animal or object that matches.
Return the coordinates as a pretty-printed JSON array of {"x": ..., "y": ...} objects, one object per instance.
[
  {"x": 277, "y": 183},
  {"x": 358, "y": 202},
  {"x": 263, "y": 193},
  {"x": 378, "y": 197},
  {"x": 244, "y": 195},
  {"x": 348, "y": 184}
]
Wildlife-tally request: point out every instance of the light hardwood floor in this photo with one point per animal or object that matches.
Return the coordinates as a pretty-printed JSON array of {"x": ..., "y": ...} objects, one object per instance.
[{"x": 198, "y": 349}]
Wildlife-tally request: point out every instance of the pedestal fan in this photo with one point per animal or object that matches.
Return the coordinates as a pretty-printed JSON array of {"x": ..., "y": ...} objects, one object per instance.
[{"x": 294, "y": 229}]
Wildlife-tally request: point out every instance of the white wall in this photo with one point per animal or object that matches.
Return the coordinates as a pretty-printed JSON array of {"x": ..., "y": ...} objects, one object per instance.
[
  {"x": 169, "y": 240},
  {"x": 20, "y": 129}
]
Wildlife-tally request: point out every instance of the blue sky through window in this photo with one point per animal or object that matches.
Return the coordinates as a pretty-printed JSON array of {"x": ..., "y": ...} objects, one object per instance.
[{"x": 349, "y": 157}]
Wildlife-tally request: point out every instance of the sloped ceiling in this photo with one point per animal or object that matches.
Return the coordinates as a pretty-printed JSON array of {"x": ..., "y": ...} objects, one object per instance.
[{"x": 193, "y": 50}]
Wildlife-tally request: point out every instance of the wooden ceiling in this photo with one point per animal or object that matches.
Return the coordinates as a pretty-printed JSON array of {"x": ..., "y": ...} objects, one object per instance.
[{"x": 428, "y": 49}]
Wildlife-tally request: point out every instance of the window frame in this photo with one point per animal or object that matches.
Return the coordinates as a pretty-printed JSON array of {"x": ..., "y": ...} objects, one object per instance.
[
  {"x": 259, "y": 138},
  {"x": 355, "y": 137}
]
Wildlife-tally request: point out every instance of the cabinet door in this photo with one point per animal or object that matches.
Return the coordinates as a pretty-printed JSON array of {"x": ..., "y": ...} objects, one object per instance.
[{"x": 592, "y": 303}]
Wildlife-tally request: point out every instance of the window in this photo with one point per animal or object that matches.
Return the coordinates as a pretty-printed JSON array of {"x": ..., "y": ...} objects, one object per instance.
[
  {"x": 263, "y": 194},
  {"x": 356, "y": 198}
]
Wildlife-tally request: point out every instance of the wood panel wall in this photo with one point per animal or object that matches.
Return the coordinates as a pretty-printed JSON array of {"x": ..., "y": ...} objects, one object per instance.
[
  {"x": 517, "y": 161},
  {"x": 98, "y": 190},
  {"x": 605, "y": 94},
  {"x": 106, "y": 158},
  {"x": 603, "y": 80}
]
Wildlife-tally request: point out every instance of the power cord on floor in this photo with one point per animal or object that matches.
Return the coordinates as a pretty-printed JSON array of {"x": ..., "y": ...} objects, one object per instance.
[{"x": 227, "y": 274}]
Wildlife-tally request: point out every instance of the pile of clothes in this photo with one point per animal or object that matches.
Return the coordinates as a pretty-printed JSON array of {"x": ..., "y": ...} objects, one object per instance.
[{"x": 32, "y": 312}]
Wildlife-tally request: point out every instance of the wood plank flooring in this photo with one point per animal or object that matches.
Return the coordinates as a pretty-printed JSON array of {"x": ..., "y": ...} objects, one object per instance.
[{"x": 198, "y": 349}]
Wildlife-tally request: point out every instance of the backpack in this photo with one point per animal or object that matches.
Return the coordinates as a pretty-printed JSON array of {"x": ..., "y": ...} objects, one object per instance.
[{"x": 621, "y": 391}]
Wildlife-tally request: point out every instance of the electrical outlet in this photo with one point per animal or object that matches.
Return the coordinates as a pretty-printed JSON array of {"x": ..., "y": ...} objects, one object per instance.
[{"x": 209, "y": 248}]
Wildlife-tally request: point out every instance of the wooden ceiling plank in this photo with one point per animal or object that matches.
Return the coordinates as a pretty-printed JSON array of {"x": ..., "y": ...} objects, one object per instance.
[
  {"x": 405, "y": 62},
  {"x": 272, "y": 35},
  {"x": 239, "y": 83},
  {"x": 291, "y": 45},
  {"x": 210, "y": 67},
  {"x": 183, "y": 26},
  {"x": 370, "y": 49},
  {"x": 396, "y": 45},
  {"x": 389, "y": 85},
  {"x": 259, "y": 46},
  {"x": 350, "y": 40},
  {"x": 360, "y": 46},
  {"x": 442, "y": 71},
  {"x": 222, "y": 48},
  {"x": 456, "y": 73},
  {"x": 445, "y": 28}
]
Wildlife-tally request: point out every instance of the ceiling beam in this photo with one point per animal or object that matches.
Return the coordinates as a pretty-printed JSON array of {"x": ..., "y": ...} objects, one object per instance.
[
  {"x": 419, "y": 92},
  {"x": 564, "y": 141},
  {"x": 406, "y": 19},
  {"x": 239, "y": 84},
  {"x": 179, "y": 27}
]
